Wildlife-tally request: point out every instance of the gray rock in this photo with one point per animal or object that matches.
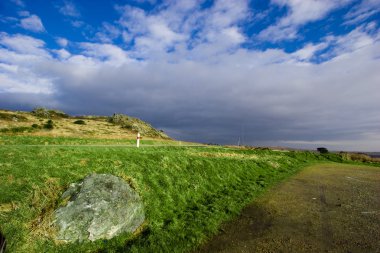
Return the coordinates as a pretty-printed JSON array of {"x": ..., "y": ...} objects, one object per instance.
[{"x": 100, "y": 207}]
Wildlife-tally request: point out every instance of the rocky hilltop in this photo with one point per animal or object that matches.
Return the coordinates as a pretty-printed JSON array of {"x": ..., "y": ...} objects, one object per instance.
[{"x": 46, "y": 122}]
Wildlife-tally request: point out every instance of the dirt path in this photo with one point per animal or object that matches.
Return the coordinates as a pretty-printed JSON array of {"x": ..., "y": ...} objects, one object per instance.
[{"x": 325, "y": 208}]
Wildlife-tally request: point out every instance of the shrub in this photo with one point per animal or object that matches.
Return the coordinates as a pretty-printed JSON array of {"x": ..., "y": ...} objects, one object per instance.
[
  {"x": 58, "y": 114},
  {"x": 322, "y": 150},
  {"x": 136, "y": 125},
  {"x": 47, "y": 114},
  {"x": 12, "y": 117},
  {"x": 35, "y": 126},
  {"x": 16, "y": 129},
  {"x": 40, "y": 112},
  {"x": 49, "y": 124},
  {"x": 80, "y": 122}
]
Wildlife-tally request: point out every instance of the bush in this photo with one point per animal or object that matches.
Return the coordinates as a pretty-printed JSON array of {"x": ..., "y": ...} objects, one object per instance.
[
  {"x": 35, "y": 126},
  {"x": 49, "y": 124},
  {"x": 40, "y": 112},
  {"x": 136, "y": 125},
  {"x": 322, "y": 150},
  {"x": 47, "y": 114},
  {"x": 58, "y": 114},
  {"x": 80, "y": 122},
  {"x": 16, "y": 129},
  {"x": 12, "y": 117}
]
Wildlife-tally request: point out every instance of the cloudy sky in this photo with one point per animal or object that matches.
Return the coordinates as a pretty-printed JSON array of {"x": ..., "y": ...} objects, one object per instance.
[{"x": 299, "y": 73}]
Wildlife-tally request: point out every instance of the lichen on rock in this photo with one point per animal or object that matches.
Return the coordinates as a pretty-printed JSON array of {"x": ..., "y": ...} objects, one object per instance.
[{"x": 101, "y": 206}]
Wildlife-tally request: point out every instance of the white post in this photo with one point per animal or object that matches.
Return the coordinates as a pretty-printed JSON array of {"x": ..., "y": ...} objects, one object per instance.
[{"x": 138, "y": 140}]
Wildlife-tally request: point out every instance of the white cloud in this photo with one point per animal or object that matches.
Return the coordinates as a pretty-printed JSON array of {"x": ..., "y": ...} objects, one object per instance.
[
  {"x": 309, "y": 50},
  {"x": 275, "y": 33},
  {"x": 107, "y": 53},
  {"x": 354, "y": 40},
  {"x": 28, "y": 83},
  {"x": 8, "y": 68},
  {"x": 183, "y": 24},
  {"x": 362, "y": 11},
  {"x": 62, "y": 42},
  {"x": 24, "y": 45},
  {"x": 152, "y": 33},
  {"x": 161, "y": 32},
  {"x": 62, "y": 53},
  {"x": 233, "y": 34},
  {"x": 68, "y": 8},
  {"x": 19, "y": 57},
  {"x": 32, "y": 23},
  {"x": 300, "y": 12},
  {"x": 108, "y": 33}
]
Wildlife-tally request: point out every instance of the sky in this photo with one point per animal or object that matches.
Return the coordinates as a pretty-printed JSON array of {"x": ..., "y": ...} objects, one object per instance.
[{"x": 295, "y": 73}]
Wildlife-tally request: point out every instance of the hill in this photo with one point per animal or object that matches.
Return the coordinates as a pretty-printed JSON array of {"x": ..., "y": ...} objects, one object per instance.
[{"x": 45, "y": 122}]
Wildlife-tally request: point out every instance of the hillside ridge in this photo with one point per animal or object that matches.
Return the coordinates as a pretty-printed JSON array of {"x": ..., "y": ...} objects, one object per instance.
[{"x": 48, "y": 122}]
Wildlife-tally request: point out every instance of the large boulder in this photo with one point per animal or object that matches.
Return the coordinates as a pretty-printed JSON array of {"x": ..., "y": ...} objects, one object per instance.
[{"x": 100, "y": 207}]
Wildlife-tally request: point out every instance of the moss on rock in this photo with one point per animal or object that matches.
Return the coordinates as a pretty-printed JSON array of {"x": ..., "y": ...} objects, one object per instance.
[{"x": 102, "y": 206}]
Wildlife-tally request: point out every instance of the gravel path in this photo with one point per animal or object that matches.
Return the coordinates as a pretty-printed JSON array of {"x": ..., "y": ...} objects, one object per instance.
[{"x": 325, "y": 208}]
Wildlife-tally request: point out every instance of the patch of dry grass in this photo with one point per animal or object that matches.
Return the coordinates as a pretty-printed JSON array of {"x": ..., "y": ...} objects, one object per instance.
[
  {"x": 359, "y": 157},
  {"x": 94, "y": 127},
  {"x": 225, "y": 155},
  {"x": 44, "y": 200},
  {"x": 8, "y": 207}
]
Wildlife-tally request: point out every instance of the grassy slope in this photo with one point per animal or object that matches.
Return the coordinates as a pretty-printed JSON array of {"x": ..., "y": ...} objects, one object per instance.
[
  {"x": 95, "y": 127},
  {"x": 188, "y": 192}
]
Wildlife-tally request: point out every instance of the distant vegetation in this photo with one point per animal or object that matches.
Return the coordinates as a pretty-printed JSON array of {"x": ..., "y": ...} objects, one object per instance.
[
  {"x": 136, "y": 125},
  {"x": 359, "y": 157},
  {"x": 80, "y": 122},
  {"x": 322, "y": 150},
  {"x": 48, "y": 114},
  {"x": 59, "y": 123},
  {"x": 21, "y": 129},
  {"x": 49, "y": 124},
  {"x": 11, "y": 117}
]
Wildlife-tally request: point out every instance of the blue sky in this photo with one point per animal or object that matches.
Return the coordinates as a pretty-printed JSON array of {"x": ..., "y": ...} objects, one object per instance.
[{"x": 299, "y": 73}]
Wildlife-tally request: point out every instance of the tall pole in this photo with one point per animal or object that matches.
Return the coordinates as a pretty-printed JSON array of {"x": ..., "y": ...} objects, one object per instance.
[{"x": 138, "y": 140}]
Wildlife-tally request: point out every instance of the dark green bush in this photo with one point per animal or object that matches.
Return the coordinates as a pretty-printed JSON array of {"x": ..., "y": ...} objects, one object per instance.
[
  {"x": 322, "y": 150},
  {"x": 58, "y": 114},
  {"x": 49, "y": 124},
  {"x": 16, "y": 130},
  {"x": 80, "y": 122}
]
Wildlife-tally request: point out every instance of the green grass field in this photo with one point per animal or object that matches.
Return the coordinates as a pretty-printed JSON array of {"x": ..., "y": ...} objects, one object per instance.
[{"x": 187, "y": 191}]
